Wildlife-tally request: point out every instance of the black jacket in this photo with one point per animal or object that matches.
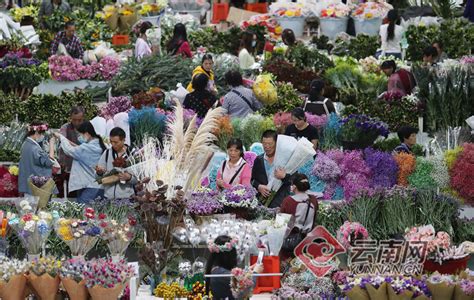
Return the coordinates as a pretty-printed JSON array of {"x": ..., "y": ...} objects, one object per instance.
[{"x": 259, "y": 176}]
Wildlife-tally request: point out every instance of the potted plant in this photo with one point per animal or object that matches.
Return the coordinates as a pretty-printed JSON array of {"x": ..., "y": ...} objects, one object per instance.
[{"x": 361, "y": 131}]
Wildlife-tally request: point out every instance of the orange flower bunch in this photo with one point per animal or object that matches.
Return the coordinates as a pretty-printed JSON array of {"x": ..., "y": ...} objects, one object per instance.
[
  {"x": 224, "y": 127},
  {"x": 406, "y": 165}
]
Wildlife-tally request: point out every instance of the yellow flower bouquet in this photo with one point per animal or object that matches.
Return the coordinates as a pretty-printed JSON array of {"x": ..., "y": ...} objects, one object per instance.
[{"x": 265, "y": 89}]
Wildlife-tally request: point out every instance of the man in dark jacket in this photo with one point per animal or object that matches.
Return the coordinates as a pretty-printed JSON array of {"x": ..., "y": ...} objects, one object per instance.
[{"x": 263, "y": 169}]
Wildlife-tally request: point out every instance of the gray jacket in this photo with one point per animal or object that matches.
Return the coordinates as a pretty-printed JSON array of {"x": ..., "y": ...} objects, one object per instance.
[
  {"x": 47, "y": 7},
  {"x": 117, "y": 190},
  {"x": 33, "y": 161}
]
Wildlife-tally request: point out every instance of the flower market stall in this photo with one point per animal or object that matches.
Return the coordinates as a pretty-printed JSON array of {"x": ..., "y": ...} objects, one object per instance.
[{"x": 231, "y": 201}]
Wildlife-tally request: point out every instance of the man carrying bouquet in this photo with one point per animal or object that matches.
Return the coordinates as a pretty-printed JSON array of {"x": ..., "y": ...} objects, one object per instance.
[
  {"x": 264, "y": 169},
  {"x": 117, "y": 182}
]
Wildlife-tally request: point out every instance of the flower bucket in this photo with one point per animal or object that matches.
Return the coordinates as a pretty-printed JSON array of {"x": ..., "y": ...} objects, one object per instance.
[
  {"x": 459, "y": 294},
  {"x": 45, "y": 286},
  {"x": 155, "y": 20},
  {"x": 294, "y": 23},
  {"x": 14, "y": 289},
  {"x": 441, "y": 291},
  {"x": 448, "y": 267},
  {"x": 331, "y": 27},
  {"x": 369, "y": 27},
  {"x": 101, "y": 293},
  {"x": 75, "y": 290}
]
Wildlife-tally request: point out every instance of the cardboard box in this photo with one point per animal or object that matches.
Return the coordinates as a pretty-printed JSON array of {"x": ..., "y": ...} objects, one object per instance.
[{"x": 237, "y": 15}]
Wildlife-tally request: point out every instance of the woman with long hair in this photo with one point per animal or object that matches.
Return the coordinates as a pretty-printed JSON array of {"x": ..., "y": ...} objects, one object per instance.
[
  {"x": 142, "y": 48},
  {"x": 85, "y": 157},
  {"x": 235, "y": 169},
  {"x": 179, "y": 45},
  {"x": 248, "y": 43},
  {"x": 316, "y": 103},
  {"x": 207, "y": 62},
  {"x": 391, "y": 35}
]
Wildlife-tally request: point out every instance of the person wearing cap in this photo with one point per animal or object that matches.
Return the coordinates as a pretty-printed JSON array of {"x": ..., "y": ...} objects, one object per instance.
[{"x": 301, "y": 128}]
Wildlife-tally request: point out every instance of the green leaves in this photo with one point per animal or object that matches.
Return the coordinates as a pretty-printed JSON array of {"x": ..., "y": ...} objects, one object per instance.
[
  {"x": 154, "y": 71},
  {"x": 306, "y": 58},
  {"x": 288, "y": 99},
  {"x": 48, "y": 108},
  {"x": 359, "y": 47}
]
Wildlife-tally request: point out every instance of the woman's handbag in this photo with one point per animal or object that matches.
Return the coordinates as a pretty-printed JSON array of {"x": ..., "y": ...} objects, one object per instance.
[{"x": 296, "y": 235}]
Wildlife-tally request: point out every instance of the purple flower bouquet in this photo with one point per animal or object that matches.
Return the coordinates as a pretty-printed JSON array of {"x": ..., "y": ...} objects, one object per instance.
[
  {"x": 41, "y": 187},
  {"x": 204, "y": 203}
]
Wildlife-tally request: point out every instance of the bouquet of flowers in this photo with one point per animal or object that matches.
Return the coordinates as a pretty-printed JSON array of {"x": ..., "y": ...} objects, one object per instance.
[
  {"x": 118, "y": 234},
  {"x": 105, "y": 278},
  {"x": 265, "y": 20},
  {"x": 240, "y": 196},
  {"x": 110, "y": 16},
  {"x": 362, "y": 129},
  {"x": 44, "y": 276},
  {"x": 464, "y": 288},
  {"x": 114, "y": 106},
  {"x": 407, "y": 288},
  {"x": 265, "y": 89},
  {"x": 440, "y": 240},
  {"x": 350, "y": 232},
  {"x": 286, "y": 9},
  {"x": 204, "y": 203},
  {"x": 241, "y": 283},
  {"x": 12, "y": 277},
  {"x": 72, "y": 277},
  {"x": 33, "y": 230},
  {"x": 339, "y": 10},
  {"x": 80, "y": 234},
  {"x": 441, "y": 286},
  {"x": 111, "y": 176},
  {"x": 41, "y": 187},
  {"x": 152, "y": 9},
  {"x": 370, "y": 10},
  {"x": 406, "y": 166}
]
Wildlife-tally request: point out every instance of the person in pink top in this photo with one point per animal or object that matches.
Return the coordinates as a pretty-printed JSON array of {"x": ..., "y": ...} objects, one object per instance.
[
  {"x": 179, "y": 45},
  {"x": 234, "y": 170}
]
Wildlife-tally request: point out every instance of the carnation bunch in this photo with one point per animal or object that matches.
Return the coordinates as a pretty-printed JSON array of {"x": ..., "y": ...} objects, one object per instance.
[
  {"x": 440, "y": 240},
  {"x": 114, "y": 106},
  {"x": 106, "y": 273},
  {"x": 45, "y": 265},
  {"x": 10, "y": 267}
]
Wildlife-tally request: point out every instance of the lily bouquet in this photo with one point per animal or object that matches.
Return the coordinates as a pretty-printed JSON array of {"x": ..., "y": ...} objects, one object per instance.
[
  {"x": 33, "y": 229},
  {"x": 80, "y": 234}
]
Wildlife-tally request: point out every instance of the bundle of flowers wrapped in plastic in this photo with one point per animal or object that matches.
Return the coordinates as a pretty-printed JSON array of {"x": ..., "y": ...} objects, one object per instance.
[
  {"x": 80, "y": 234},
  {"x": 118, "y": 234},
  {"x": 12, "y": 277},
  {"x": 265, "y": 90},
  {"x": 33, "y": 229}
]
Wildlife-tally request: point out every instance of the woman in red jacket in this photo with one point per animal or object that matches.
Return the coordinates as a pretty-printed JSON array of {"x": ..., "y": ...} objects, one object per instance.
[{"x": 178, "y": 45}]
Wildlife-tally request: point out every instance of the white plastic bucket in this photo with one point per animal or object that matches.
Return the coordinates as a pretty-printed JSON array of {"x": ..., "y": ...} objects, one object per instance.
[
  {"x": 331, "y": 27},
  {"x": 294, "y": 23},
  {"x": 368, "y": 27},
  {"x": 155, "y": 20}
]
